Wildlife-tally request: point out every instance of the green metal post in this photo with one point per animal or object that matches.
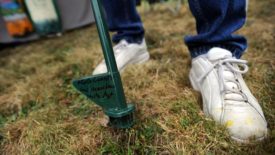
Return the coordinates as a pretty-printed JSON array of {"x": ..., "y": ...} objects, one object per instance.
[
  {"x": 108, "y": 50},
  {"x": 106, "y": 89}
]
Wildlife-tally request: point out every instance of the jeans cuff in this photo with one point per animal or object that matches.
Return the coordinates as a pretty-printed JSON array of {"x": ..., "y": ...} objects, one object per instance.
[{"x": 197, "y": 51}]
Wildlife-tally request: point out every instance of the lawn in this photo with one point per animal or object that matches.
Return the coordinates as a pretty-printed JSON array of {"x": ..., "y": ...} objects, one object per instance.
[{"x": 41, "y": 113}]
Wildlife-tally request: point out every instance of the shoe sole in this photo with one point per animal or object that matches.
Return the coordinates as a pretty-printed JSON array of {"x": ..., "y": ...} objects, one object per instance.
[{"x": 248, "y": 141}]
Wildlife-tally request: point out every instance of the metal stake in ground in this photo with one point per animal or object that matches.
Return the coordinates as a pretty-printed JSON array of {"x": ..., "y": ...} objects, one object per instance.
[{"x": 106, "y": 89}]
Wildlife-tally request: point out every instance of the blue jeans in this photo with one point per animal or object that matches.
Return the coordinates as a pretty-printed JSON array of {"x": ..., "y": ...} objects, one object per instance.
[
  {"x": 123, "y": 18},
  {"x": 216, "y": 21}
]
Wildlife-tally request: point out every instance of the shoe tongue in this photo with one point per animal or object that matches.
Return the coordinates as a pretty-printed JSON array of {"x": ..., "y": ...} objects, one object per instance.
[{"x": 217, "y": 53}]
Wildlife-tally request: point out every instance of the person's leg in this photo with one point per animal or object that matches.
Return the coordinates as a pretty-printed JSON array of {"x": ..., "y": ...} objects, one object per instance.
[
  {"x": 130, "y": 48},
  {"x": 217, "y": 70},
  {"x": 123, "y": 18},
  {"x": 217, "y": 20}
]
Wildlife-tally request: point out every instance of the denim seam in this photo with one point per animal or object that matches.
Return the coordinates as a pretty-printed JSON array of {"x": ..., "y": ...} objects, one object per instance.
[
  {"x": 200, "y": 13},
  {"x": 230, "y": 8},
  {"x": 125, "y": 10}
]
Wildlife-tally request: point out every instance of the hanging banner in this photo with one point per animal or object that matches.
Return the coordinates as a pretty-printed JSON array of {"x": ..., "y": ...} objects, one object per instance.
[
  {"x": 45, "y": 16},
  {"x": 16, "y": 20}
]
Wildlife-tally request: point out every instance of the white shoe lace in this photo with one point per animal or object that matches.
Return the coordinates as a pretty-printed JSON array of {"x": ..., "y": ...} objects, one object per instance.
[{"x": 227, "y": 64}]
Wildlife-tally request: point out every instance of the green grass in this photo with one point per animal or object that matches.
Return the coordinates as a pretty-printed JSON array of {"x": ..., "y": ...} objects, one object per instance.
[{"x": 41, "y": 113}]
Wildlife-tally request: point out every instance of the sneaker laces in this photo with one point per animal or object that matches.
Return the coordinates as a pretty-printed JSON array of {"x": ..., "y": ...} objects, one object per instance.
[{"x": 231, "y": 65}]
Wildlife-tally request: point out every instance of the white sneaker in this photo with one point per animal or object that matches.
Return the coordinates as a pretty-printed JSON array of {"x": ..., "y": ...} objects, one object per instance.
[
  {"x": 126, "y": 54},
  {"x": 226, "y": 98}
]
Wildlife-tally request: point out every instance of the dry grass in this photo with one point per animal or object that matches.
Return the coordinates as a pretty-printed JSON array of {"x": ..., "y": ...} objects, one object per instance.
[{"x": 42, "y": 114}]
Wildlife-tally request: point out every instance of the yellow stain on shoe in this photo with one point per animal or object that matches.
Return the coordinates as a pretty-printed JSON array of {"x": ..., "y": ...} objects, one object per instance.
[
  {"x": 218, "y": 110},
  {"x": 229, "y": 123},
  {"x": 248, "y": 121}
]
